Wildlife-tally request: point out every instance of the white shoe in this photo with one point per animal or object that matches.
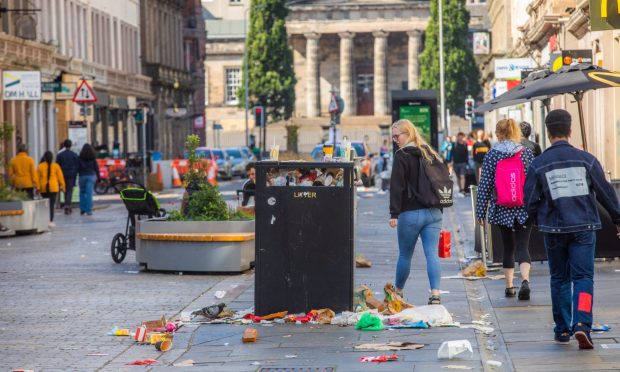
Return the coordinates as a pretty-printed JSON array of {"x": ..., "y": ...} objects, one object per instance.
[
  {"x": 381, "y": 192},
  {"x": 51, "y": 224}
]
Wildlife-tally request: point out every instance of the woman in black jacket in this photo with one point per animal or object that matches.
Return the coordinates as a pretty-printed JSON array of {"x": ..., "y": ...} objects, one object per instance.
[
  {"x": 413, "y": 219},
  {"x": 89, "y": 174}
]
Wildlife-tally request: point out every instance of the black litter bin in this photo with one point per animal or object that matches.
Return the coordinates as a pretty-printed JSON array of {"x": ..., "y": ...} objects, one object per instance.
[{"x": 304, "y": 237}]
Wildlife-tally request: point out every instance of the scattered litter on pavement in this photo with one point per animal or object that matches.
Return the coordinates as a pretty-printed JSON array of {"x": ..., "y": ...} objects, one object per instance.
[
  {"x": 163, "y": 345},
  {"x": 184, "y": 363},
  {"x": 400, "y": 324},
  {"x": 287, "y": 336},
  {"x": 494, "y": 365},
  {"x": 69, "y": 348},
  {"x": 132, "y": 271},
  {"x": 145, "y": 362},
  {"x": 453, "y": 366},
  {"x": 600, "y": 327},
  {"x": 97, "y": 354},
  {"x": 369, "y": 322},
  {"x": 610, "y": 346},
  {"x": 484, "y": 329},
  {"x": 362, "y": 262},
  {"x": 476, "y": 269},
  {"x": 119, "y": 332},
  {"x": 455, "y": 349},
  {"x": 325, "y": 316},
  {"x": 249, "y": 335},
  {"x": 389, "y": 346},
  {"x": 379, "y": 359},
  {"x": 8, "y": 244},
  {"x": 441, "y": 291},
  {"x": 154, "y": 325},
  {"x": 255, "y": 363},
  {"x": 82, "y": 256},
  {"x": 220, "y": 294},
  {"x": 435, "y": 315},
  {"x": 291, "y": 356},
  {"x": 94, "y": 242},
  {"x": 370, "y": 213},
  {"x": 460, "y": 276}
]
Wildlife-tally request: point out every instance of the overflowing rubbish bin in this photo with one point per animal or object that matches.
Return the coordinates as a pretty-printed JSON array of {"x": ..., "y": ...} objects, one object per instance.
[{"x": 304, "y": 236}]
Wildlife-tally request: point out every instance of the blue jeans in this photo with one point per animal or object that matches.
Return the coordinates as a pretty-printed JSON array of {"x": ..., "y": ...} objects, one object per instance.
[
  {"x": 87, "y": 186},
  {"x": 571, "y": 265},
  {"x": 425, "y": 223}
]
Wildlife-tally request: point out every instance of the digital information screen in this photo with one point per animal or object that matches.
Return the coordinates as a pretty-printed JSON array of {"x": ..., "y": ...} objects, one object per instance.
[{"x": 420, "y": 116}]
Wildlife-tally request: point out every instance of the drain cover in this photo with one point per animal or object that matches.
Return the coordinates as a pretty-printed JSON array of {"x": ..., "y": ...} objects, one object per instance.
[{"x": 297, "y": 369}]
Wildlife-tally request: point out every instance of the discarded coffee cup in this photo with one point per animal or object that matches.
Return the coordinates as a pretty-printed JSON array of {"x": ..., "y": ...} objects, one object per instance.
[{"x": 164, "y": 345}]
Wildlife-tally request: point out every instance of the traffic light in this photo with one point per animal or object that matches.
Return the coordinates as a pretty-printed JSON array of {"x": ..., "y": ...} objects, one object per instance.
[
  {"x": 259, "y": 116},
  {"x": 469, "y": 108}
]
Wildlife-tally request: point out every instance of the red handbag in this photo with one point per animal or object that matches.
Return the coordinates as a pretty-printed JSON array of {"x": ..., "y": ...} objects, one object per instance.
[{"x": 444, "y": 244}]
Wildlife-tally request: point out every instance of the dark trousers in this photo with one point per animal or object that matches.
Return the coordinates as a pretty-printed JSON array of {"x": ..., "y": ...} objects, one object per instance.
[
  {"x": 516, "y": 244},
  {"x": 52, "y": 197},
  {"x": 571, "y": 265},
  {"x": 29, "y": 191},
  {"x": 69, "y": 184}
]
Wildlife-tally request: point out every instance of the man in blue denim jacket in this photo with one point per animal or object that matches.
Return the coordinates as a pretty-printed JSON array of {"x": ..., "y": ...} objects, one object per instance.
[{"x": 561, "y": 190}]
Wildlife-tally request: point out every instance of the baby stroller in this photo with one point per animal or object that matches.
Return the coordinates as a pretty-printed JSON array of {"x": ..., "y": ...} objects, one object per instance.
[{"x": 139, "y": 203}]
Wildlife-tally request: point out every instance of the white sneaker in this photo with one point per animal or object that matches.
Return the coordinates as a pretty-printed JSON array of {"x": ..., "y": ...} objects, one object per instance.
[
  {"x": 51, "y": 224},
  {"x": 381, "y": 192}
]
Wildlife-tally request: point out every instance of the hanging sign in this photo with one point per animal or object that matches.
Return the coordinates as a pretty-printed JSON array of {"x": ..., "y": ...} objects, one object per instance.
[
  {"x": 21, "y": 85},
  {"x": 84, "y": 93},
  {"x": 604, "y": 15}
]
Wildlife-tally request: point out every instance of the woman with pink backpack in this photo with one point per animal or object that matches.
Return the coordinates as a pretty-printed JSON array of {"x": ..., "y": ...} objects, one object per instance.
[{"x": 501, "y": 191}]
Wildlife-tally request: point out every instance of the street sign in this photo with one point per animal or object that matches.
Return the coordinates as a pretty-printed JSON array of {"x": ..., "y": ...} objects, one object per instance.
[
  {"x": 21, "y": 85},
  {"x": 333, "y": 105},
  {"x": 51, "y": 87},
  {"x": 573, "y": 57},
  {"x": 84, "y": 93}
]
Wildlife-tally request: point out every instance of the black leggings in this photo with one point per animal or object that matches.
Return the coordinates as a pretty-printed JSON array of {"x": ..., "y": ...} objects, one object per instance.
[
  {"x": 516, "y": 242},
  {"x": 52, "y": 197}
]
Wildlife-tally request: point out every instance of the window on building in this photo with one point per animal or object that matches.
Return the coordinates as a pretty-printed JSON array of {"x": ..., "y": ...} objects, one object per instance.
[
  {"x": 234, "y": 1},
  {"x": 233, "y": 82}
]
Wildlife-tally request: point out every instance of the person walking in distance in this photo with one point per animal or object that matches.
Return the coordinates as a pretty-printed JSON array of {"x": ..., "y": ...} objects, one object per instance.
[
  {"x": 500, "y": 201},
  {"x": 407, "y": 214},
  {"x": 562, "y": 187},
  {"x": 480, "y": 149},
  {"x": 51, "y": 181},
  {"x": 460, "y": 158},
  {"x": 22, "y": 174},
  {"x": 526, "y": 130},
  {"x": 69, "y": 163},
  {"x": 89, "y": 174}
]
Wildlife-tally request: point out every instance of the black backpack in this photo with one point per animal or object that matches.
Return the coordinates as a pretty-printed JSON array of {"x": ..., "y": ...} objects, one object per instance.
[{"x": 434, "y": 185}]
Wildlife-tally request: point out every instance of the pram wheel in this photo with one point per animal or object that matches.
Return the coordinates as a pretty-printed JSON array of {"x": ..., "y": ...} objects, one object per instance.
[{"x": 119, "y": 248}]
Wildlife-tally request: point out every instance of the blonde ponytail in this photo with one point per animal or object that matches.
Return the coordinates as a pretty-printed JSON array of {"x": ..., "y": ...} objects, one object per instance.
[{"x": 413, "y": 136}]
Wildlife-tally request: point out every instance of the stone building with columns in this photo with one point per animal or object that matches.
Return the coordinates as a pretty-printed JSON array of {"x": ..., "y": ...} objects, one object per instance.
[{"x": 361, "y": 49}]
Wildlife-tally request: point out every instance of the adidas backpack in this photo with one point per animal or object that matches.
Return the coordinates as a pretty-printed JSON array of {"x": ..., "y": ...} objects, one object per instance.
[
  {"x": 509, "y": 181},
  {"x": 434, "y": 185}
]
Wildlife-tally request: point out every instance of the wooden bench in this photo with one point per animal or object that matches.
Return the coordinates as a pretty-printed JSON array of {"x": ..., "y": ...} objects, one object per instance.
[
  {"x": 197, "y": 237},
  {"x": 18, "y": 212}
]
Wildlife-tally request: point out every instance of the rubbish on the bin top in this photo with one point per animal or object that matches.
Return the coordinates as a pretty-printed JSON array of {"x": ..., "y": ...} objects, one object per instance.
[
  {"x": 475, "y": 269},
  {"x": 369, "y": 322},
  {"x": 361, "y": 261},
  {"x": 379, "y": 359},
  {"x": 307, "y": 176},
  {"x": 389, "y": 346},
  {"x": 249, "y": 335}
]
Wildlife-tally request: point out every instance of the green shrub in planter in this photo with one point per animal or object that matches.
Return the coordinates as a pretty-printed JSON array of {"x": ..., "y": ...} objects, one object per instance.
[{"x": 207, "y": 204}]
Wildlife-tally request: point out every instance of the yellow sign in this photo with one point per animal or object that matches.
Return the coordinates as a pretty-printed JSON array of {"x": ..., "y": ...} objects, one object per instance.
[{"x": 604, "y": 15}]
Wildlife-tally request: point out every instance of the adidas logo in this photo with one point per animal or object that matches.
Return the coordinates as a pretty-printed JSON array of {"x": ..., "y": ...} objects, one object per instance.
[{"x": 446, "y": 193}]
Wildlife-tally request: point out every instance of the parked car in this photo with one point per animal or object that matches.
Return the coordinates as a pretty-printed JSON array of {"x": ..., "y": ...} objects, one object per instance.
[
  {"x": 239, "y": 159},
  {"x": 224, "y": 164}
]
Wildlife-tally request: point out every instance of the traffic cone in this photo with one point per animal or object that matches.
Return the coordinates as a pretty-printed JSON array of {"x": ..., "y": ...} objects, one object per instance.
[
  {"x": 176, "y": 179},
  {"x": 212, "y": 173},
  {"x": 160, "y": 177}
]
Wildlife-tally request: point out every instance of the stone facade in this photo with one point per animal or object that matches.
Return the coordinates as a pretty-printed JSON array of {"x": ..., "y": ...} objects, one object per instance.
[{"x": 362, "y": 50}]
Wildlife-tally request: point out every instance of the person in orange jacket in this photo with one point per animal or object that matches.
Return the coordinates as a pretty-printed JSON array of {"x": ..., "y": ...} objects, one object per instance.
[
  {"x": 50, "y": 181},
  {"x": 21, "y": 172}
]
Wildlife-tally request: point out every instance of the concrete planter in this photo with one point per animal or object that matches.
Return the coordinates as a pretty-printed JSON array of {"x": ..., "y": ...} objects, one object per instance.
[
  {"x": 194, "y": 255},
  {"x": 29, "y": 216}
]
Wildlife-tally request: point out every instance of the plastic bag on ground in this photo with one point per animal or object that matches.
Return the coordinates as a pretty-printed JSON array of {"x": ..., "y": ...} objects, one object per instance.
[
  {"x": 369, "y": 322},
  {"x": 455, "y": 349},
  {"x": 435, "y": 315},
  {"x": 346, "y": 318}
]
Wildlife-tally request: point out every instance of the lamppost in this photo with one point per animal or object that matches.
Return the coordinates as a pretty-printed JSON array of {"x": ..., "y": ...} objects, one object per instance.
[
  {"x": 442, "y": 89},
  {"x": 245, "y": 73}
]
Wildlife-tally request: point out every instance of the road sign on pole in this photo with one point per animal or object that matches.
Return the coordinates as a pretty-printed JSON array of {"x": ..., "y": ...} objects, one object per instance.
[{"x": 84, "y": 93}]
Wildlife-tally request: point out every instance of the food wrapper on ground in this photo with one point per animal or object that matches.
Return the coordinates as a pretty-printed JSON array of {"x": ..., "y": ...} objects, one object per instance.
[
  {"x": 455, "y": 349},
  {"x": 379, "y": 359},
  {"x": 435, "y": 315},
  {"x": 475, "y": 269},
  {"x": 361, "y": 261},
  {"x": 390, "y": 346},
  {"x": 346, "y": 318},
  {"x": 360, "y": 295},
  {"x": 152, "y": 325},
  {"x": 145, "y": 362},
  {"x": 325, "y": 316},
  {"x": 257, "y": 319},
  {"x": 369, "y": 322},
  {"x": 375, "y": 303},
  {"x": 395, "y": 303}
]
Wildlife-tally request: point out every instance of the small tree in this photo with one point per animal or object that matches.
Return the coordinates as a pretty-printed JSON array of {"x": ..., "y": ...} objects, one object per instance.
[
  {"x": 195, "y": 176},
  {"x": 461, "y": 73},
  {"x": 270, "y": 60}
]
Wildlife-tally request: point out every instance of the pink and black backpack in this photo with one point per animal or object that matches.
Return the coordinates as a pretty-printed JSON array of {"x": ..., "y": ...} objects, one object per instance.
[{"x": 509, "y": 181}]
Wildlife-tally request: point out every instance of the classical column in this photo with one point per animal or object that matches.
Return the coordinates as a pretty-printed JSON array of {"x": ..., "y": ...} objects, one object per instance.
[
  {"x": 380, "y": 69},
  {"x": 413, "y": 66},
  {"x": 312, "y": 74},
  {"x": 346, "y": 73}
]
